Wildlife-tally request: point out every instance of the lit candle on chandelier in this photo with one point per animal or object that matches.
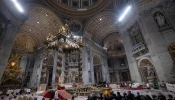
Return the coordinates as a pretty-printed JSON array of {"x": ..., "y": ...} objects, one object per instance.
[{"x": 81, "y": 40}]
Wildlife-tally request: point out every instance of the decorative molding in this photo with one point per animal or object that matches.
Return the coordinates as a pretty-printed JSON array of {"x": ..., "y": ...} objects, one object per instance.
[{"x": 146, "y": 3}]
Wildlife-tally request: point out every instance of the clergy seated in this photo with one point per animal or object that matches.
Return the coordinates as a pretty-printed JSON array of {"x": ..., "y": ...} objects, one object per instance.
[
  {"x": 20, "y": 98},
  {"x": 25, "y": 98},
  {"x": 30, "y": 98}
]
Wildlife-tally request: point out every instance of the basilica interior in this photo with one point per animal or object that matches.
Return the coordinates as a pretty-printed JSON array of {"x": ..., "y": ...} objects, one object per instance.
[{"x": 44, "y": 43}]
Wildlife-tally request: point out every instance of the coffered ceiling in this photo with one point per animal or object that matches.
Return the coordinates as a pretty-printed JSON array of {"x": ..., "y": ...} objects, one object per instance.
[
  {"x": 100, "y": 26},
  {"x": 41, "y": 21},
  {"x": 67, "y": 8}
]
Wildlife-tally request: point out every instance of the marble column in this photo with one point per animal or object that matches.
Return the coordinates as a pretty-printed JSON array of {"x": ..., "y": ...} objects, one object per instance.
[
  {"x": 63, "y": 66},
  {"x": 54, "y": 69},
  {"x": 133, "y": 67},
  {"x": 39, "y": 70},
  {"x": 35, "y": 75},
  {"x": 105, "y": 69},
  {"x": 23, "y": 63},
  {"x": 92, "y": 67}
]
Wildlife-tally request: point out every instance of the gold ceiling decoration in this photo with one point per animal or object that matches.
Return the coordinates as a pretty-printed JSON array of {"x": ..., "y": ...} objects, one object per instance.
[
  {"x": 67, "y": 11},
  {"x": 171, "y": 49},
  {"x": 41, "y": 21},
  {"x": 25, "y": 42},
  {"x": 145, "y": 62},
  {"x": 146, "y": 3}
]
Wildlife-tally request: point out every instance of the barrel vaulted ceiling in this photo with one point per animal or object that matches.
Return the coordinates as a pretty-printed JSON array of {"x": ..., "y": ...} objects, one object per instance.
[
  {"x": 100, "y": 26},
  {"x": 41, "y": 21}
]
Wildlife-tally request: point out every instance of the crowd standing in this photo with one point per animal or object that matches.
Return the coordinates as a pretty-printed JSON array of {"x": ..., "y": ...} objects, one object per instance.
[{"x": 129, "y": 96}]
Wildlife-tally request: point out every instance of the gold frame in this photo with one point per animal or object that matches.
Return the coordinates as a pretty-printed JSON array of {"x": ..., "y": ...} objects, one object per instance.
[{"x": 171, "y": 50}]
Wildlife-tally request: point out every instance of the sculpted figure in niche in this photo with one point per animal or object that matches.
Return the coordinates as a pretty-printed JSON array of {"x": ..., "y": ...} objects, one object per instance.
[
  {"x": 160, "y": 19},
  {"x": 151, "y": 72}
]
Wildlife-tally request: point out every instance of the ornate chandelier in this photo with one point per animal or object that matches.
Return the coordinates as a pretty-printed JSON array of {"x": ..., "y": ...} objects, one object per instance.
[{"x": 64, "y": 41}]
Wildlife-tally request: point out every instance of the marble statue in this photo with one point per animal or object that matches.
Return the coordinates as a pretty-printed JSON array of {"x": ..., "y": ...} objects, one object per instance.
[
  {"x": 50, "y": 37},
  {"x": 151, "y": 72},
  {"x": 73, "y": 78},
  {"x": 161, "y": 21},
  {"x": 61, "y": 78}
]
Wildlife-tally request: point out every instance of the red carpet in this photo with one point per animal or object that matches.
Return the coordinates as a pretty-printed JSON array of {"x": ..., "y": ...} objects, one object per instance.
[
  {"x": 62, "y": 94},
  {"x": 136, "y": 88}
]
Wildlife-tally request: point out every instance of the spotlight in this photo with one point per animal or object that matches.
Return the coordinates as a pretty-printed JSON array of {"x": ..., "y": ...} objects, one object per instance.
[
  {"x": 17, "y": 5},
  {"x": 75, "y": 36},
  {"x": 125, "y": 12},
  {"x": 68, "y": 36}
]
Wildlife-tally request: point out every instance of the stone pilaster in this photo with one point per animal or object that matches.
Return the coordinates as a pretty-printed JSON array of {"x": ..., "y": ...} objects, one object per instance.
[
  {"x": 12, "y": 27},
  {"x": 54, "y": 69}
]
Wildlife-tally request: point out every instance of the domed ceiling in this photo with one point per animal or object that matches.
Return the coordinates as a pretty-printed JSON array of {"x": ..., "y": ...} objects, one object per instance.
[{"x": 77, "y": 8}]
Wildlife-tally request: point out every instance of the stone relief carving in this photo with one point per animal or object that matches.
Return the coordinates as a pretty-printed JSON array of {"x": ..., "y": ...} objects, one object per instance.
[
  {"x": 25, "y": 42},
  {"x": 135, "y": 32}
]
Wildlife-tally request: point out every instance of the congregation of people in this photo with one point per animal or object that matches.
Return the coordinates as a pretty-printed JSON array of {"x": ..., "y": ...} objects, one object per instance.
[
  {"x": 21, "y": 94},
  {"x": 129, "y": 96}
]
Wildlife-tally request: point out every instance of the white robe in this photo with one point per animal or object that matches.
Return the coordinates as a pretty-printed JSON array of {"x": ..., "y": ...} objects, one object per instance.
[{"x": 56, "y": 95}]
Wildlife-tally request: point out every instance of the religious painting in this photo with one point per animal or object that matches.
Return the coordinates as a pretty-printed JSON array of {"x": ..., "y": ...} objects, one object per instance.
[
  {"x": 171, "y": 50},
  {"x": 160, "y": 20},
  {"x": 135, "y": 32},
  {"x": 75, "y": 26}
]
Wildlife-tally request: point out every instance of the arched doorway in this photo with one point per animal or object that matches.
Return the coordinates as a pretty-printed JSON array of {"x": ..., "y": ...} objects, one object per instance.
[
  {"x": 124, "y": 76},
  {"x": 97, "y": 69},
  {"x": 146, "y": 70}
]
